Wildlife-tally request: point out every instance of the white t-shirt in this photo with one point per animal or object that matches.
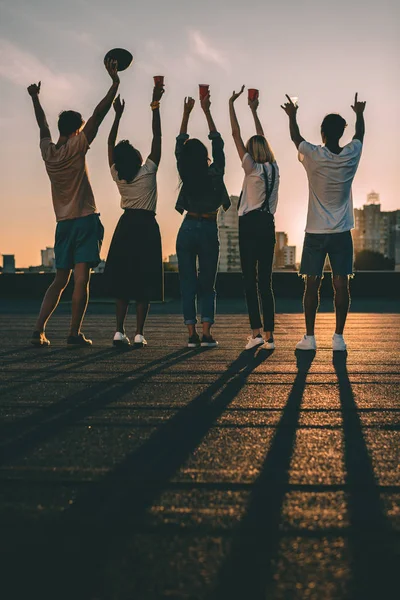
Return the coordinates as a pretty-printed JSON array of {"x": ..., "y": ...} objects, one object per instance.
[
  {"x": 253, "y": 191},
  {"x": 142, "y": 191},
  {"x": 70, "y": 186},
  {"x": 330, "y": 176}
]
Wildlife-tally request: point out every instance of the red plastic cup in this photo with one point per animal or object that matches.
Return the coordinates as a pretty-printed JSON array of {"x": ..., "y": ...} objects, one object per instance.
[
  {"x": 158, "y": 79},
  {"x": 253, "y": 94},
  {"x": 204, "y": 90}
]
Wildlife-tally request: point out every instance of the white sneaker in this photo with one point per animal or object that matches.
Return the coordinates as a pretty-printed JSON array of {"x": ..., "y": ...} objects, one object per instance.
[
  {"x": 338, "y": 343},
  {"x": 307, "y": 343},
  {"x": 120, "y": 340},
  {"x": 270, "y": 344},
  {"x": 140, "y": 341},
  {"x": 252, "y": 342}
]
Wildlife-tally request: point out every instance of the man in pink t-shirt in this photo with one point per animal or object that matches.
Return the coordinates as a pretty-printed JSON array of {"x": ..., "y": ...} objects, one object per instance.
[{"x": 79, "y": 232}]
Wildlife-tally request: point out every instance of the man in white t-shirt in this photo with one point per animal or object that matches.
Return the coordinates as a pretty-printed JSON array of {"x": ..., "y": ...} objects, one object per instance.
[
  {"x": 79, "y": 232},
  {"x": 330, "y": 170}
]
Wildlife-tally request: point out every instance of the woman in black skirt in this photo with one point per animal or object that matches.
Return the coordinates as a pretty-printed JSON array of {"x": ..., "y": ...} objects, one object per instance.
[{"x": 134, "y": 264}]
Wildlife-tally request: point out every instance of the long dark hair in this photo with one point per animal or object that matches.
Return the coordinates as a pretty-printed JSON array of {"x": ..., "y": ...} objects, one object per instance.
[
  {"x": 193, "y": 167},
  {"x": 127, "y": 161}
]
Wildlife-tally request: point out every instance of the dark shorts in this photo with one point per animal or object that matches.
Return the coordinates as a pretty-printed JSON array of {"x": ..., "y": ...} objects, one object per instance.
[
  {"x": 338, "y": 247},
  {"x": 78, "y": 241}
]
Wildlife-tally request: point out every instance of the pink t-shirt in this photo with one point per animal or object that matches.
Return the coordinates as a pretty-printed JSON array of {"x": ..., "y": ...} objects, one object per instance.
[{"x": 70, "y": 186}]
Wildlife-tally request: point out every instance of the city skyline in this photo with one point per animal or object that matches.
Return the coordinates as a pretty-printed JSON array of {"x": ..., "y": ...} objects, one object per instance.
[
  {"x": 72, "y": 75},
  {"x": 377, "y": 244}
]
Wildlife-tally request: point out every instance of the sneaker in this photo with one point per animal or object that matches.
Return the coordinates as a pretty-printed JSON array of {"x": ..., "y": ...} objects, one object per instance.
[
  {"x": 270, "y": 344},
  {"x": 338, "y": 343},
  {"x": 121, "y": 340},
  {"x": 139, "y": 341},
  {"x": 307, "y": 343},
  {"x": 194, "y": 341},
  {"x": 78, "y": 341},
  {"x": 39, "y": 339},
  {"x": 252, "y": 342},
  {"x": 207, "y": 341}
]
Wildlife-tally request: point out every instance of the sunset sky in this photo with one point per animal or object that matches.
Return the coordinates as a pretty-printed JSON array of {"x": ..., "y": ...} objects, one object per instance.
[{"x": 318, "y": 50}]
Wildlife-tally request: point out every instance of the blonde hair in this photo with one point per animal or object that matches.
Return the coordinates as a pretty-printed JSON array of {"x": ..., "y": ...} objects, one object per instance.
[{"x": 260, "y": 150}]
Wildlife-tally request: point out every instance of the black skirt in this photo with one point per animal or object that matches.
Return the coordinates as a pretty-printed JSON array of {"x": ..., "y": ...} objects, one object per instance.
[{"x": 134, "y": 269}]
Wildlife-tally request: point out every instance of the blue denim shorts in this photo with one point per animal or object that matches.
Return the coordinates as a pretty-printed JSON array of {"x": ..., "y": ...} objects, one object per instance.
[
  {"x": 338, "y": 247},
  {"x": 78, "y": 241}
]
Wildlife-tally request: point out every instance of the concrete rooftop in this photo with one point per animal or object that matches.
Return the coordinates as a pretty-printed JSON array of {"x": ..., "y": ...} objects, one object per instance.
[{"x": 177, "y": 474}]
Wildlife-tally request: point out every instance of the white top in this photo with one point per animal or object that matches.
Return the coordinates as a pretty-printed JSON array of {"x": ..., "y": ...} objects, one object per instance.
[
  {"x": 70, "y": 186},
  {"x": 330, "y": 176},
  {"x": 142, "y": 191},
  {"x": 253, "y": 191}
]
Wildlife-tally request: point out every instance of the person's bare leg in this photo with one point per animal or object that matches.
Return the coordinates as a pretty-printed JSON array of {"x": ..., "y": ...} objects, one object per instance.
[
  {"x": 311, "y": 302},
  {"x": 121, "y": 310},
  {"x": 142, "y": 308},
  {"x": 342, "y": 300},
  {"x": 191, "y": 330},
  {"x": 80, "y": 297},
  {"x": 206, "y": 328},
  {"x": 52, "y": 298}
]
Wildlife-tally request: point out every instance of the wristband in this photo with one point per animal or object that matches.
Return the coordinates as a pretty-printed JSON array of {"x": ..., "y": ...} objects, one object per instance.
[{"x": 155, "y": 104}]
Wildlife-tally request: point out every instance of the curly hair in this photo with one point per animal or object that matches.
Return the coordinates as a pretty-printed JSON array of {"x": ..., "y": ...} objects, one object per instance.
[{"x": 127, "y": 160}]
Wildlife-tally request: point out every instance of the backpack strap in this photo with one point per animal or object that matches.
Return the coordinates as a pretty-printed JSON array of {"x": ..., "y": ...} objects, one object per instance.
[
  {"x": 240, "y": 199},
  {"x": 268, "y": 190}
]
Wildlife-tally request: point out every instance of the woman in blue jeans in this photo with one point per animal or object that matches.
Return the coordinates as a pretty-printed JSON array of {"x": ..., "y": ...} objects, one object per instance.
[{"x": 202, "y": 193}]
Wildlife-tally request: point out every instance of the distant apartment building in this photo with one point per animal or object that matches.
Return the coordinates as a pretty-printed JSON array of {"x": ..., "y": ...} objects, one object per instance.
[
  {"x": 377, "y": 230},
  {"x": 228, "y": 226},
  {"x": 48, "y": 258},
  {"x": 8, "y": 263},
  {"x": 284, "y": 255},
  {"x": 173, "y": 261},
  {"x": 289, "y": 256}
]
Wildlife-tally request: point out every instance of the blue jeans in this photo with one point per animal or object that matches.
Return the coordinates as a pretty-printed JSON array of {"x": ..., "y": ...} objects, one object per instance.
[{"x": 198, "y": 239}]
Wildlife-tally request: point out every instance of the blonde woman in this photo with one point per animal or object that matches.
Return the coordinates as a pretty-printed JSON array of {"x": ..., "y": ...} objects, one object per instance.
[{"x": 257, "y": 205}]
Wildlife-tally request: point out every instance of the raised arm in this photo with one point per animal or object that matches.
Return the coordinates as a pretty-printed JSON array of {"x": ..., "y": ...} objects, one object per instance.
[
  {"x": 253, "y": 104},
  {"x": 291, "y": 110},
  {"x": 155, "y": 154},
  {"x": 187, "y": 109},
  {"x": 94, "y": 122},
  {"x": 206, "y": 106},
  {"x": 359, "y": 108},
  {"x": 119, "y": 109},
  {"x": 237, "y": 138},
  {"x": 34, "y": 91}
]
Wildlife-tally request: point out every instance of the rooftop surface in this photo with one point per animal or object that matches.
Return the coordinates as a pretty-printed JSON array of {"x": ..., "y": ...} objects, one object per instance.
[{"x": 178, "y": 474}]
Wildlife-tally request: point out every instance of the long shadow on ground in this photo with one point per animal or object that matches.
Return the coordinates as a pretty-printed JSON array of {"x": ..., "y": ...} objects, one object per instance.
[
  {"x": 375, "y": 563},
  {"x": 248, "y": 571},
  {"x": 74, "y": 549}
]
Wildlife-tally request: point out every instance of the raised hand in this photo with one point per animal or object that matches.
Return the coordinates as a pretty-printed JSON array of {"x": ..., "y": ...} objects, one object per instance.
[
  {"x": 112, "y": 69},
  {"x": 158, "y": 92},
  {"x": 289, "y": 107},
  {"x": 254, "y": 104},
  {"x": 34, "y": 89},
  {"x": 188, "y": 105},
  {"x": 358, "y": 106},
  {"x": 119, "y": 106},
  {"x": 205, "y": 102},
  {"x": 235, "y": 95}
]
